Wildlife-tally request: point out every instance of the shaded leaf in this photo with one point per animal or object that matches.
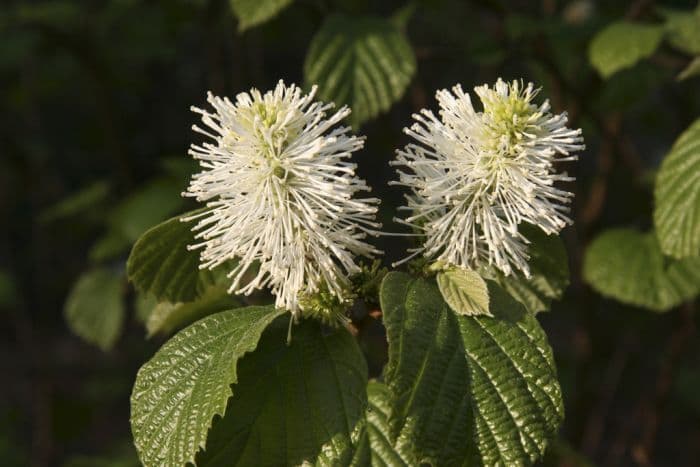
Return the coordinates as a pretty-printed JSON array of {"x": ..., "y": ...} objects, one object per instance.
[
  {"x": 377, "y": 445},
  {"x": 365, "y": 63},
  {"x": 621, "y": 45},
  {"x": 122, "y": 455},
  {"x": 160, "y": 263},
  {"x": 464, "y": 291},
  {"x": 188, "y": 381},
  {"x": 253, "y": 12},
  {"x": 402, "y": 16},
  {"x": 94, "y": 309},
  {"x": 166, "y": 317},
  {"x": 143, "y": 306},
  {"x": 628, "y": 266},
  {"x": 677, "y": 196},
  {"x": 77, "y": 203},
  {"x": 467, "y": 390},
  {"x": 294, "y": 403},
  {"x": 109, "y": 246},
  {"x": 549, "y": 270},
  {"x": 146, "y": 207},
  {"x": 8, "y": 289}
]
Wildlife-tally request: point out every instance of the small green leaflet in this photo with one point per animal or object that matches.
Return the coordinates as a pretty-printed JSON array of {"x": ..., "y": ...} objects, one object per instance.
[
  {"x": 622, "y": 44},
  {"x": 464, "y": 290},
  {"x": 254, "y": 12},
  {"x": 365, "y": 63},
  {"x": 628, "y": 266},
  {"x": 293, "y": 405},
  {"x": 94, "y": 309},
  {"x": 677, "y": 196},
  {"x": 470, "y": 390},
  {"x": 188, "y": 381}
]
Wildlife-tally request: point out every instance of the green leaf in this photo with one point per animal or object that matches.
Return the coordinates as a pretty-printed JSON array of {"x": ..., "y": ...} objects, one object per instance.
[
  {"x": 253, "y": 12},
  {"x": 160, "y": 263},
  {"x": 365, "y": 63},
  {"x": 146, "y": 207},
  {"x": 144, "y": 304},
  {"x": 167, "y": 317},
  {"x": 677, "y": 196},
  {"x": 628, "y": 266},
  {"x": 109, "y": 246},
  {"x": 8, "y": 289},
  {"x": 377, "y": 445},
  {"x": 467, "y": 390},
  {"x": 465, "y": 291},
  {"x": 188, "y": 381},
  {"x": 549, "y": 270},
  {"x": 294, "y": 404},
  {"x": 94, "y": 309},
  {"x": 693, "y": 69},
  {"x": 402, "y": 16},
  {"x": 77, "y": 203},
  {"x": 683, "y": 29},
  {"x": 621, "y": 45}
]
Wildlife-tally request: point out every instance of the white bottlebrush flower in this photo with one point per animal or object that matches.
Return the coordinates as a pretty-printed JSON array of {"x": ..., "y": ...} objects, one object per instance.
[
  {"x": 279, "y": 191},
  {"x": 475, "y": 176}
]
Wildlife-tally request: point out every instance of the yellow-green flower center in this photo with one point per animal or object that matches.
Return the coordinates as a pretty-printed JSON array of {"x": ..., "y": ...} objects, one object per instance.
[{"x": 510, "y": 117}]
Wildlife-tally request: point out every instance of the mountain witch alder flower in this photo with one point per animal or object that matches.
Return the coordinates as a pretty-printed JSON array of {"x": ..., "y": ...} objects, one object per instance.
[
  {"x": 280, "y": 194},
  {"x": 475, "y": 176}
]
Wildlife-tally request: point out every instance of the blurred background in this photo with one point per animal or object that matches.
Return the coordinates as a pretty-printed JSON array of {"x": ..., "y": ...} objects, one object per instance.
[{"x": 95, "y": 129}]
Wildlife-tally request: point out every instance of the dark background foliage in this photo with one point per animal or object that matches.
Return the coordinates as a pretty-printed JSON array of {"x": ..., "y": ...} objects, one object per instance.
[{"x": 96, "y": 95}]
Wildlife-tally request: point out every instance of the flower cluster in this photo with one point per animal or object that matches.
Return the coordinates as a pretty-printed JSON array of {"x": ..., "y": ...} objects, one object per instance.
[
  {"x": 475, "y": 176},
  {"x": 280, "y": 195},
  {"x": 282, "y": 200}
]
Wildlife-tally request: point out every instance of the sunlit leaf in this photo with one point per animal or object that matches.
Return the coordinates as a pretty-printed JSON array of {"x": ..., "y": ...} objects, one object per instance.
[
  {"x": 188, "y": 381},
  {"x": 677, "y": 196},
  {"x": 464, "y": 291},
  {"x": 467, "y": 390},
  {"x": 628, "y": 266},
  {"x": 622, "y": 44}
]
